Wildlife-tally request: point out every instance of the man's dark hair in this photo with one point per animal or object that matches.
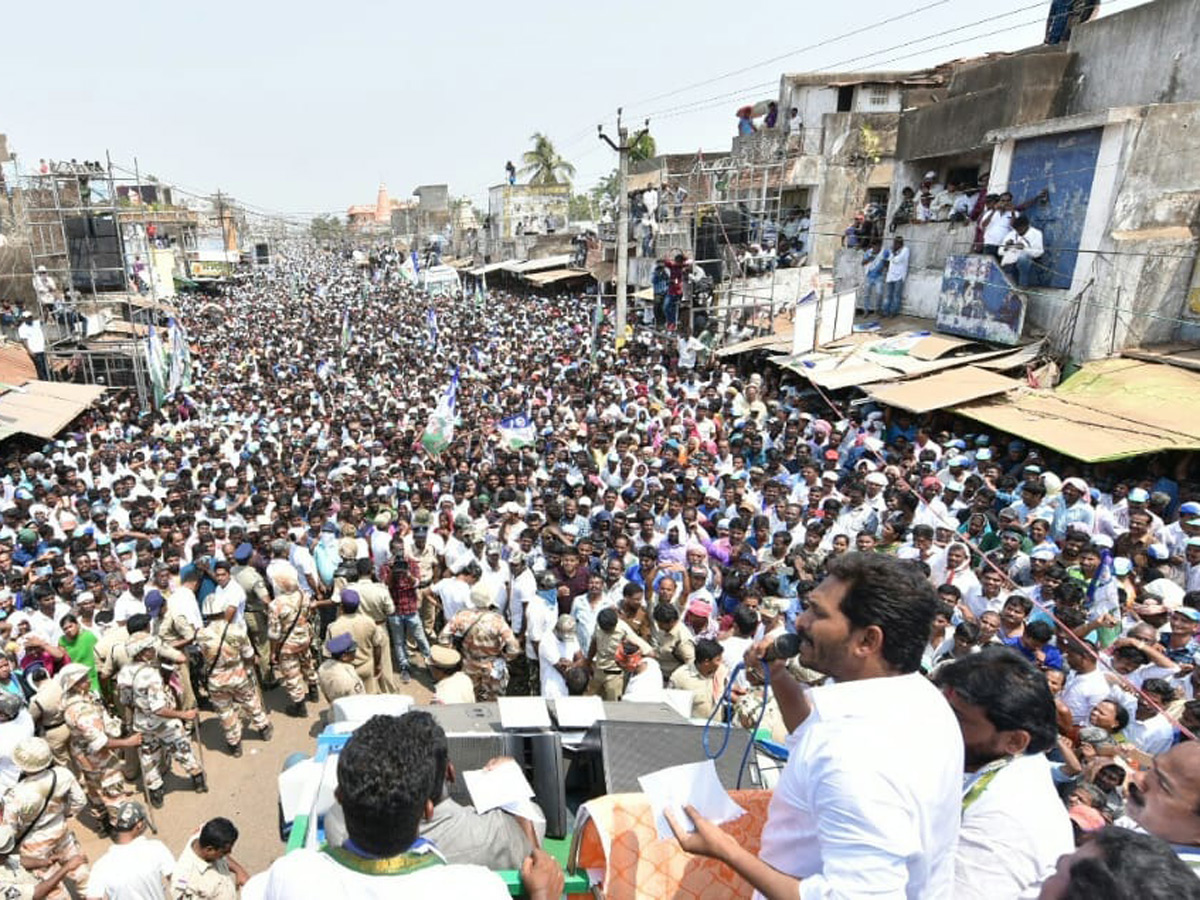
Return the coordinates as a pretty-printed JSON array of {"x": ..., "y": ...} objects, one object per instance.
[
  {"x": 1134, "y": 655},
  {"x": 1009, "y": 689},
  {"x": 1131, "y": 865},
  {"x": 218, "y": 834},
  {"x": 1039, "y": 631},
  {"x": 707, "y": 649},
  {"x": 1022, "y": 601},
  {"x": 1160, "y": 688},
  {"x": 606, "y": 619},
  {"x": 137, "y": 623},
  {"x": 429, "y": 732},
  {"x": 577, "y": 681},
  {"x": 891, "y": 595},
  {"x": 745, "y": 620},
  {"x": 666, "y": 615},
  {"x": 385, "y": 776},
  {"x": 950, "y": 590},
  {"x": 967, "y": 631},
  {"x": 363, "y": 567}
]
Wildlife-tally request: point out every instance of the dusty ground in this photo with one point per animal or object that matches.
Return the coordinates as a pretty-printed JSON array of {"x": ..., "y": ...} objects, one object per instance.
[{"x": 243, "y": 790}]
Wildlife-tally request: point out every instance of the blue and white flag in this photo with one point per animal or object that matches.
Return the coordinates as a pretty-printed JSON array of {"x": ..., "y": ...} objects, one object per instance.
[
  {"x": 431, "y": 321},
  {"x": 439, "y": 432},
  {"x": 416, "y": 263},
  {"x": 516, "y": 432}
]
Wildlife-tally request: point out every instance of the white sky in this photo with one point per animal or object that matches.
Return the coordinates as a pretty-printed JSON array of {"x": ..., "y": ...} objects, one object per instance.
[{"x": 304, "y": 107}]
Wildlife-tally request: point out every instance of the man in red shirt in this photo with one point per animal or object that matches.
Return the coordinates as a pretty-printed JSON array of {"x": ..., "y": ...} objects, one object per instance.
[{"x": 676, "y": 268}]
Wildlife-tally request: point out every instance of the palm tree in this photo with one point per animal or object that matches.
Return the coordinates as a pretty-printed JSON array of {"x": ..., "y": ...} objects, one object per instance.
[{"x": 543, "y": 164}]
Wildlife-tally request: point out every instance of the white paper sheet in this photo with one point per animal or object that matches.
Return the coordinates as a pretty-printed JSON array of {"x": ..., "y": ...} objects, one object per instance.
[
  {"x": 523, "y": 712},
  {"x": 578, "y": 712},
  {"x": 694, "y": 784},
  {"x": 501, "y": 786}
]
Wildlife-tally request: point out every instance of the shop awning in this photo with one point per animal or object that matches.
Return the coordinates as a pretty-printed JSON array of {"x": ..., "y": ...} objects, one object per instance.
[
  {"x": 948, "y": 388},
  {"x": 556, "y": 275},
  {"x": 538, "y": 265},
  {"x": 44, "y": 408},
  {"x": 771, "y": 342},
  {"x": 491, "y": 267},
  {"x": 1110, "y": 409},
  {"x": 859, "y": 360}
]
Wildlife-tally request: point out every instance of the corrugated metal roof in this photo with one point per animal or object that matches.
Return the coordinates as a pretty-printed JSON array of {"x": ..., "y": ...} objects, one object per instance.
[
  {"x": 1110, "y": 409},
  {"x": 537, "y": 265}
]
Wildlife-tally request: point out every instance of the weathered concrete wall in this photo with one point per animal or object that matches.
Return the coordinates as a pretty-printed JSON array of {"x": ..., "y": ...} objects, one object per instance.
[
  {"x": 1148, "y": 250},
  {"x": 996, "y": 93},
  {"x": 1142, "y": 55}
]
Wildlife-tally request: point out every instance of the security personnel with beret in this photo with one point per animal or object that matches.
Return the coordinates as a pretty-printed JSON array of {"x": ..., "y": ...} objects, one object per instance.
[{"x": 337, "y": 675}]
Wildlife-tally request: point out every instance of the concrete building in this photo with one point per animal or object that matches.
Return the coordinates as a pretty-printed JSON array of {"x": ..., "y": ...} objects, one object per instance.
[
  {"x": 377, "y": 217},
  {"x": 1104, "y": 125},
  {"x": 841, "y": 147},
  {"x": 519, "y": 214}
]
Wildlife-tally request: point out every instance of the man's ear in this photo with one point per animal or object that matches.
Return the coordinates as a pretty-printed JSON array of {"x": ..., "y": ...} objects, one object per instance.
[
  {"x": 428, "y": 814},
  {"x": 451, "y": 773}
]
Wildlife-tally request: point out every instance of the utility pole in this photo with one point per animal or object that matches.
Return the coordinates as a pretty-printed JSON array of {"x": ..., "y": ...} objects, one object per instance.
[{"x": 622, "y": 274}]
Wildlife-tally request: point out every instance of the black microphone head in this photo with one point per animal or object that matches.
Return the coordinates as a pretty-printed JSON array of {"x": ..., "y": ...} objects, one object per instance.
[{"x": 785, "y": 647}]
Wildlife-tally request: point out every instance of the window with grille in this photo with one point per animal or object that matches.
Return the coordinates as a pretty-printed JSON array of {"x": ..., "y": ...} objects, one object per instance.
[{"x": 879, "y": 95}]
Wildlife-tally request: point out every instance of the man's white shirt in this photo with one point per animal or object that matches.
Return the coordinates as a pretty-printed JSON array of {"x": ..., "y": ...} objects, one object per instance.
[{"x": 851, "y": 818}]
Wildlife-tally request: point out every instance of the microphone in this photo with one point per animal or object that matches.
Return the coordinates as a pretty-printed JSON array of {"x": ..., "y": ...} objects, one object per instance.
[{"x": 784, "y": 647}]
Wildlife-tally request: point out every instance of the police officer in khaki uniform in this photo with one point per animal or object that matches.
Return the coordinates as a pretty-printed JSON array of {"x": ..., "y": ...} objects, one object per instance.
[
  {"x": 46, "y": 709},
  {"x": 451, "y": 685},
  {"x": 336, "y": 675},
  {"x": 704, "y": 677},
  {"x": 257, "y": 598},
  {"x": 368, "y": 660},
  {"x": 375, "y": 602}
]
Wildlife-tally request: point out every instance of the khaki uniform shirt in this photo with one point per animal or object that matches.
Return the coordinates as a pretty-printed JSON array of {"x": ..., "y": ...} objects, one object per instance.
[
  {"x": 195, "y": 879},
  {"x": 362, "y": 629},
  {"x": 338, "y": 679},
  {"x": 457, "y": 688},
  {"x": 375, "y": 601},
  {"x": 705, "y": 691},
  {"x": 607, "y": 645}
]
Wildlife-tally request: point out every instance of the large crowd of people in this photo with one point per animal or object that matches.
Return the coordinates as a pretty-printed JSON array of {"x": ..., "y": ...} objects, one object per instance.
[{"x": 314, "y": 515}]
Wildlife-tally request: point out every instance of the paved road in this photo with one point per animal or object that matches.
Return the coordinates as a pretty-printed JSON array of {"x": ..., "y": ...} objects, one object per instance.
[{"x": 242, "y": 790}]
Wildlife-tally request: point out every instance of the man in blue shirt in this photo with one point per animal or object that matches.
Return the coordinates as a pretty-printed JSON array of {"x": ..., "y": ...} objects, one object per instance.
[{"x": 1033, "y": 644}]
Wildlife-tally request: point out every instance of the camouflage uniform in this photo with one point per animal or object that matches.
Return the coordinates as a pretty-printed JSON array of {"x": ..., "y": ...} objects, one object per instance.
[
  {"x": 257, "y": 597},
  {"x": 230, "y": 689},
  {"x": 99, "y": 764},
  {"x": 49, "y": 840},
  {"x": 296, "y": 668},
  {"x": 487, "y": 643},
  {"x": 15, "y": 882},
  {"x": 163, "y": 739}
]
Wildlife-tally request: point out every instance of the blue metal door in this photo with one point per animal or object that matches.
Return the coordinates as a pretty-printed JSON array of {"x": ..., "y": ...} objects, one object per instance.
[{"x": 1064, "y": 165}]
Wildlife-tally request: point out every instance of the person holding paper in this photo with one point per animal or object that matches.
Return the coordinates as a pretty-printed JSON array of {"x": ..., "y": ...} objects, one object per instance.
[
  {"x": 387, "y": 775},
  {"x": 849, "y": 819}
]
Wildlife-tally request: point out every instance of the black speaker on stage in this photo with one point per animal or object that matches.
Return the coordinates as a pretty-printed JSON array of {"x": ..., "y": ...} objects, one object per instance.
[
  {"x": 628, "y": 750},
  {"x": 94, "y": 253}
]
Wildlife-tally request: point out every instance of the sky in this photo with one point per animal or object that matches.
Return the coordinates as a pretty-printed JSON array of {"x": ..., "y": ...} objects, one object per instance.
[{"x": 304, "y": 108}]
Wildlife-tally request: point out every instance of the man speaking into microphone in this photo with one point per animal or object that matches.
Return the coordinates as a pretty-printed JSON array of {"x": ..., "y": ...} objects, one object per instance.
[{"x": 870, "y": 800}]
